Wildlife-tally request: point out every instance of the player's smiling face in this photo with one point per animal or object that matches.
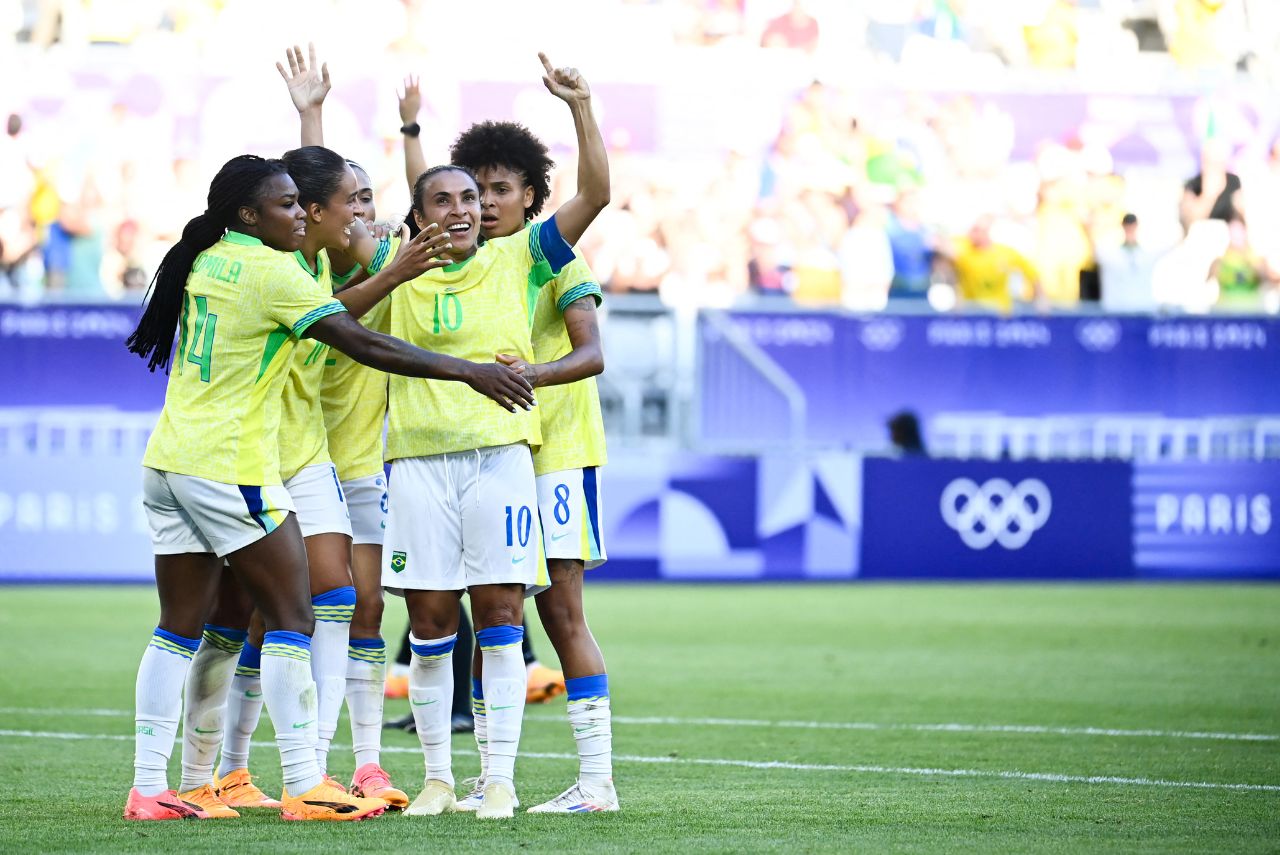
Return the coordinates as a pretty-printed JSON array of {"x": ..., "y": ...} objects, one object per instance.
[
  {"x": 276, "y": 219},
  {"x": 452, "y": 200},
  {"x": 329, "y": 222},
  {"x": 504, "y": 198},
  {"x": 364, "y": 195}
]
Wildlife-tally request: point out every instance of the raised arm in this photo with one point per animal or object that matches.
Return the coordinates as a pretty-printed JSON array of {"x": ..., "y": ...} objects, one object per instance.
[
  {"x": 415, "y": 162},
  {"x": 308, "y": 85},
  {"x": 386, "y": 353},
  {"x": 586, "y": 359},
  {"x": 414, "y": 258},
  {"x": 592, "y": 197}
]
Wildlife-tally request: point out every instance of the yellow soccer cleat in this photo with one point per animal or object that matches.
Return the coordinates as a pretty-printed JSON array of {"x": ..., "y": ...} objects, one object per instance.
[
  {"x": 236, "y": 789},
  {"x": 332, "y": 782},
  {"x": 371, "y": 782},
  {"x": 436, "y": 798},
  {"x": 544, "y": 684},
  {"x": 207, "y": 798},
  {"x": 499, "y": 802},
  {"x": 322, "y": 802}
]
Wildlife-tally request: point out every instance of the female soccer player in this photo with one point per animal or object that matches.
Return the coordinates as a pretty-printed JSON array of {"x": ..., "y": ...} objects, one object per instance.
[
  {"x": 512, "y": 168},
  {"x": 463, "y": 495},
  {"x": 211, "y": 480}
]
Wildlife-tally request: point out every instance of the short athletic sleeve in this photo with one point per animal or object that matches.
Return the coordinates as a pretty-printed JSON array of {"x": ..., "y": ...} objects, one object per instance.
[
  {"x": 296, "y": 301},
  {"x": 574, "y": 282},
  {"x": 549, "y": 252}
]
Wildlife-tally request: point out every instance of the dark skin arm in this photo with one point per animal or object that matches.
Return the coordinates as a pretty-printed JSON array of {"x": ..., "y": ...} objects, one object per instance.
[
  {"x": 414, "y": 258},
  {"x": 494, "y": 380},
  {"x": 586, "y": 359}
]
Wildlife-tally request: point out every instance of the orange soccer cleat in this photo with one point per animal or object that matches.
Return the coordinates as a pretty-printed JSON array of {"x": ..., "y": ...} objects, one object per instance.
[
  {"x": 323, "y": 802},
  {"x": 236, "y": 789},
  {"x": 544, "y": 684},
  {"x": 371, "y": 782},
  {"x": 167, "y": 805},
  {"x": 207, "y": 798}
]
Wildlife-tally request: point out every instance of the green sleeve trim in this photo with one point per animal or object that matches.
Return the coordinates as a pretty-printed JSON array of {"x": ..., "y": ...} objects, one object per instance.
[
  {"x": 340, "y": 279},
  {"x": 333, "y": 307},
  {"x": 577, "y": 292}
]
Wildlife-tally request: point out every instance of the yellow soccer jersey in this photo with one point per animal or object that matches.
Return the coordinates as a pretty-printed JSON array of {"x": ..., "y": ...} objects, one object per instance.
[
  {"x": 244, "y": 309},
  {"x": 354, "y": 396},
  {"x": 472, "y": 310},
  {"x": 572, "y": 426},
  {"x": 302, "y": 435}
]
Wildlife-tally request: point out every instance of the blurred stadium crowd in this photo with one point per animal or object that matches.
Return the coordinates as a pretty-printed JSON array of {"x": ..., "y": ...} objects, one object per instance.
[{"x": 990, "y": 152}]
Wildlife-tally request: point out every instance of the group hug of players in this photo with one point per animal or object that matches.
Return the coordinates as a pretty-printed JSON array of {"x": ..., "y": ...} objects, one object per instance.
[{"x": 304, "y": 327}]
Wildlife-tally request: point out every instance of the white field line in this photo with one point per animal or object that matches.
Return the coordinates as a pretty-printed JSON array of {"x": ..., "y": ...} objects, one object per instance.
[
  {"x": 1048, "y": 777},
  {"x": 953, "y": 727}
]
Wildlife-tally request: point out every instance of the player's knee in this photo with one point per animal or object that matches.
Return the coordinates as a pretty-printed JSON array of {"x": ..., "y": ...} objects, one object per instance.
[
  {"x": 561, "y": 618},
  {"x": 367, "y": 620},
  {"x": 503, "y": 613}
]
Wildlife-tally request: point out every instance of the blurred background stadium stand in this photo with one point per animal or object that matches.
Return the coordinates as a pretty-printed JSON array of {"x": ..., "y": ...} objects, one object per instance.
[{"x": 809, "y": 201}]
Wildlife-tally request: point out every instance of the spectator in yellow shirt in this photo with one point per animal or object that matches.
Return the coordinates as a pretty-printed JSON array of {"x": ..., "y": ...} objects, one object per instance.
[{"x": 983, "y": 270}]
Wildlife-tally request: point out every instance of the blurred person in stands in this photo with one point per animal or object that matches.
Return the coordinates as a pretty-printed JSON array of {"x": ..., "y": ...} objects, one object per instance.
[
  {"x": 816, "y": 224},
  {"x": 795, "y": 29},
  {"x": 1051, "y": 41},
  {"x": 1208, "y": 196},
  {"x": 17, "y": 189},
  {"x": 866, "y": 259},
  {"x": 912, "y": 246},
  {"x": 1241, "y": 272},
  {"x": 985, "y": 271},
  {"x": 1204, "y": 33},
  {"x": 1125, "y": 272}
]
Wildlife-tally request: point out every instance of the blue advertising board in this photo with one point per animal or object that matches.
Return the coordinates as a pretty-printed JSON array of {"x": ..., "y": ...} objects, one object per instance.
[
  {"x": 855, "y": 372},
  {"x": 959, "y": 519},
  {"x": 1206, "y": 520}
]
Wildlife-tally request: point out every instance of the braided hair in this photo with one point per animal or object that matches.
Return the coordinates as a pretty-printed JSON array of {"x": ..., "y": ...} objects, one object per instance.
[
  {"x": 512, "y": 146},
  {"x": 420, "y": 190},
  {"x": 237, "y": 185}
]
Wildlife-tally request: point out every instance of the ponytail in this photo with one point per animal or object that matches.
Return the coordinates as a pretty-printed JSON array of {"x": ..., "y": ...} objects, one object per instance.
[{"x": 236, "y": 185}]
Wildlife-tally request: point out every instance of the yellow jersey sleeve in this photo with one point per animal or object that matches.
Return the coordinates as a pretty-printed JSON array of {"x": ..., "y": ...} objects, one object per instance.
[
  {"x": 303, "y": 441},
  {"x": 244, "y": 307},
  {"x": 572, "y": 423},
  {"x": 473, "y": 310},
  {"x": 353, "y": 397}
]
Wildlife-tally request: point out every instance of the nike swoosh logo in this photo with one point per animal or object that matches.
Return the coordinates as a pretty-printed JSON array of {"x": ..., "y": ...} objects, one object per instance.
[
  {"x": 518, "y": 560},
  {"x": 584, "y": 729},
  {"x": 305, "y": 723},
  {"x": 215, "y": 730},
  {"x": 508, "y": 707},
  {"x": 421, "y": 703},
  {"x": 561, "y": 536},
  {"x": 252, "y": 694}
]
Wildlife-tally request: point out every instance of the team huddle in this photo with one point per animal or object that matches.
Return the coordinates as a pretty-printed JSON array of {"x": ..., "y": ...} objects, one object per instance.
[{"x": 306, "y": 330}]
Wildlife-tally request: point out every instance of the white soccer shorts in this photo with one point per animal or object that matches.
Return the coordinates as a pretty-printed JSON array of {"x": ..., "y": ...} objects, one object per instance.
[
  {"x": 189, "y": 514},
  {"x": 569, "y": 506},
  {"x": 317, "y": 495},
  {"x": 367, "y": 503},
  {"x": 461, "y": 519}
]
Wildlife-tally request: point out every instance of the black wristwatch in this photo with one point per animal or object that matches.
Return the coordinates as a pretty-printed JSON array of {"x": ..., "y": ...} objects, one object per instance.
[{"x": 411, "y": 130}]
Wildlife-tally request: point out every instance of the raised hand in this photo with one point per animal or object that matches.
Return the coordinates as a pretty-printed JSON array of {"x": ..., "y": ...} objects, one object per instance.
[
  {"x": 421, "y": 254},
  {"x": 503, "y": 385},
  {"x": 564, "y": 83},
  {"x": 308, "y": 82},
  {"x": 410, "y": 101}
]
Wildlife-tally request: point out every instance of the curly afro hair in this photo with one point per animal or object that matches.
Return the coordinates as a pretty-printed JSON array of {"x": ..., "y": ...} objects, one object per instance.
[{"x": 510, "y": 145}]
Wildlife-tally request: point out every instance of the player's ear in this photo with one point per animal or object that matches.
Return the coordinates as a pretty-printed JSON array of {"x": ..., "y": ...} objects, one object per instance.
[
  {"x": 315, "y": 211},
  {"x": 247, "y": 215},
  {"x": 528, "y": 197},
  {"x": 419, "y": 220}
]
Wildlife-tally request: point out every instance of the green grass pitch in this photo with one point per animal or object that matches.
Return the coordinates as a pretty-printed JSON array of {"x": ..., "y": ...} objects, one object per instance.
[{"x": 789, "y": 719}]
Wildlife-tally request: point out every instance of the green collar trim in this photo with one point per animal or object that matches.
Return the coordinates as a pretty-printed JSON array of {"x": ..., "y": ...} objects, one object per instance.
[
  {"x": 458, "y": 265},
  {"x": 241, "y": 238},
  {"x": 302, "y": 262}
]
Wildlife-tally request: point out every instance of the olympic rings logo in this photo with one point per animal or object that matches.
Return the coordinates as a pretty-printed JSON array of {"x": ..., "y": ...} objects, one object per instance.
[{"x": 996, "y": 512}]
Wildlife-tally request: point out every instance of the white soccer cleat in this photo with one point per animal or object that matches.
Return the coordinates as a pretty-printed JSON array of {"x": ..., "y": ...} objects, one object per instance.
[
  {"x": 579, "y": 799},
  {"x": 436, "y": 798},
  {"x": 471, "y": 802},
  {"x": 499, "y": 802}
]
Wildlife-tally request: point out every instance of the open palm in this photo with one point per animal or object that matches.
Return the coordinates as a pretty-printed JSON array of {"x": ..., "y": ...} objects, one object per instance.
[{"x": 308, "y": 82}]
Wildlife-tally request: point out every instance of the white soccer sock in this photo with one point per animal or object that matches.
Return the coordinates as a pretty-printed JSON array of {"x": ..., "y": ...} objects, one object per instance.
[
  {"x": 244, "y": 709},
  {"x": 481, "y": 730},
  {"x": 333, "y": 610},
  {"x": 157, "y": 707},
  {"x": 431, "y": 697},
  {"x": 205, "y": 703},
  {"x": 593, "y": 731},
  {"x": 366, "y": 674},
  {"x": 290, "y": 693},
  {"x": 505, "y": 682}
]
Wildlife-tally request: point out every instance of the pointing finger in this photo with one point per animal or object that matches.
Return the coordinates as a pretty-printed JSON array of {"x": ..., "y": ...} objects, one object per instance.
[{"x": 546, "y": 63}]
